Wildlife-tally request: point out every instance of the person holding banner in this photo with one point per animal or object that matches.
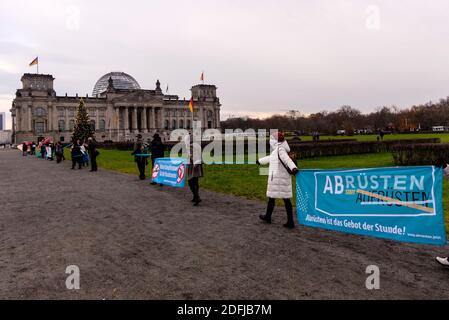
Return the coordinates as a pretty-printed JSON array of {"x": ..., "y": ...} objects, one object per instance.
[
  {"x": 279, "y": 180},
  {"x": 442, "y": 164},
  {"x": 139, "y": 158},
  {"x": 157, "y": 150}
]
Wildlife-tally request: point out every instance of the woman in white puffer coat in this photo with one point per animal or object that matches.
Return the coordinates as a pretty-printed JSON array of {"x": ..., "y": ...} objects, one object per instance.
[{"x": 279, "y": 180}]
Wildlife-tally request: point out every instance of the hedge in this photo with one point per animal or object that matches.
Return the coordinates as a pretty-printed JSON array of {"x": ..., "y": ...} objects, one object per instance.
[
  {"x": 358, "y": 147},
  {"x": 309, "y": 149},
  {"x": 420, "y": 154}
]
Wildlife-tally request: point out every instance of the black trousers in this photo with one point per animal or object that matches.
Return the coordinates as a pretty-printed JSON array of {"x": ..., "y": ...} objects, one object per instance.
[
  {"x": 141, "y": 164},
  {"x": 93, "y": 162},
  {"x": 195, "y": 187},
  {"x": 74, "y": 162},
  {"x": 288, "y": 208}
]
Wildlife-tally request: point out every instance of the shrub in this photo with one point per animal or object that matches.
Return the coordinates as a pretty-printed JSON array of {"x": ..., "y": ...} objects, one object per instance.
[
  {"x": 420, "y": 154},
  {"x": 355, "y": 147}
]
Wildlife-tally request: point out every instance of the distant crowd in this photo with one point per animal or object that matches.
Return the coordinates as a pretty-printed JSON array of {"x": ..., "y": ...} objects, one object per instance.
[{"x": 82, "y": 153}]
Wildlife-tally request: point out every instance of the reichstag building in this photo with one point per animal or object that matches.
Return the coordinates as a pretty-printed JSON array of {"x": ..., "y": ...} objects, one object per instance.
[{"x": 118, "y": 109}]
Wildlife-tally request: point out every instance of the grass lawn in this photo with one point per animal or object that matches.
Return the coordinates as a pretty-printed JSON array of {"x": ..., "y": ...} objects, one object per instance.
[
  {"x": 372, "y": 137},
  {"x": 245, "y": 180}
]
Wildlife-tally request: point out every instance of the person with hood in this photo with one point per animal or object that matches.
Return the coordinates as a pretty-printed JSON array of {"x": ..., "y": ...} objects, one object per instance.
[
  {"x": 141, "y": 161},
  {"x": 279, "y": 179},
  {"x": 157, "y": 150}
]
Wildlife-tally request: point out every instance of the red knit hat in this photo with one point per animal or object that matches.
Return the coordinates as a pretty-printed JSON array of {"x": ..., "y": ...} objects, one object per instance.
[{"x": 279, "y": 136}]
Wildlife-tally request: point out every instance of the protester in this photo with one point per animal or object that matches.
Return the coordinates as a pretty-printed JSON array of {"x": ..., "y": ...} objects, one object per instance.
[
  {"x": 48, "y": 152},
  {"x": 443, "y": 164},
  {"x": 76, "y": 155},
  {"x": 33, "y": 148},
  {"x": 24, "y": 149},
  {"x": 195, "y": 171},
  {"x": 157, "y": 150},
  {"x": 141, "y": 161},
  {"x": 59, "y": 152},
  {"x": 43, "y": 150},
  {"x": 93, "y": 154},
  {"x": 85, "y": 157},
  {"x": 279, "y": 179}
]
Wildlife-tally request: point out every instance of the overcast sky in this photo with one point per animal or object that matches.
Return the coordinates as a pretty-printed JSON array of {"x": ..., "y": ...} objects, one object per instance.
[{"x": 265, "y": 56}]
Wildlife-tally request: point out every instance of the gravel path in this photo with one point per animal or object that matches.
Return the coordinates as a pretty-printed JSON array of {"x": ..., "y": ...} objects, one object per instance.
[{"x": 136, "y": 241}]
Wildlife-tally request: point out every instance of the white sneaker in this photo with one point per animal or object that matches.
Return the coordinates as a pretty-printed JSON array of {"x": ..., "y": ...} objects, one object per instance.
[{"x": 443, "y": 261}]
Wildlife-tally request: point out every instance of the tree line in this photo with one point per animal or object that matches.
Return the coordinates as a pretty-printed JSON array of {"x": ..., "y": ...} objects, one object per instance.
[{"x": 351, "y": 120}]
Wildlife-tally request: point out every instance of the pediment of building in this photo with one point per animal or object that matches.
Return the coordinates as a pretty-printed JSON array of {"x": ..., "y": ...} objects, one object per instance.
[{"x": 138, "y": 97}]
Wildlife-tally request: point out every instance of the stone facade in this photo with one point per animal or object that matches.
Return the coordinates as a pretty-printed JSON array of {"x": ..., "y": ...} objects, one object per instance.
[{"x": 117, "y": 114}]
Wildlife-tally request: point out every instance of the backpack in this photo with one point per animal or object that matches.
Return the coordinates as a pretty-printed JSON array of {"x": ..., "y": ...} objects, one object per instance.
[{"x": 292, "y": 157}]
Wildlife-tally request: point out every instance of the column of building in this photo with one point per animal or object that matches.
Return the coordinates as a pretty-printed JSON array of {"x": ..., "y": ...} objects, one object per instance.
[
  {"x": 30, "y": 118},
  {"x": 134, "y": 120},
  {"x": 66, "y": 119},
  {"x": 126, "y": 120},
  {"x": 153, "y": 119},
  {"x": 143, "y": 119}
]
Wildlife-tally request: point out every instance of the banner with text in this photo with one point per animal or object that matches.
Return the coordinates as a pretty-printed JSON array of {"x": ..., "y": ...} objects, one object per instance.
[
  {"x": 401, "y": 203},
  {"x": 170, "y": 171}
]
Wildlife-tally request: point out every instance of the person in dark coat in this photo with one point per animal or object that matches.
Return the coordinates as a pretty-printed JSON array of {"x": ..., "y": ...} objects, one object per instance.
[
  {"x": 195, "y": 171},
  {"x": 141, "y": 161},
  {"x": 59, "y": 152},
  {"x": 24, "y": 149},
  {"x": 93, "y": 153},
  {"x": 77, "y": 155},
  {"x": 157, "y": 150}
]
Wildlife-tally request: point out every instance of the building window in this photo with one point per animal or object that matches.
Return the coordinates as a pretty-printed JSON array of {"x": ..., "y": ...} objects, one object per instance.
[
  {"x": 181, "y": 124},
  {"x": 92, "y": 112},
  {"x": 209, "y": 114},
  {"x": 102, "y": 125},
  {"x": 92, "y": 124},
  {"x": 40, "y": 112},
  {"x": 174, "y": 124},
  {"x": 173, "y": 112},
  {"x": 101, "y": 112},
  {"x": 189, "y": 124},
  {"x": 61, "y": 112},
  {"x": 71, "y": 112},
  {"x": 166, "y": 125},
  {"x": 167, "y": 113},
  {"x": 61, "y": 125},
  {"x": 71, "y": 125},
  {"x": 39, "y": 127}
]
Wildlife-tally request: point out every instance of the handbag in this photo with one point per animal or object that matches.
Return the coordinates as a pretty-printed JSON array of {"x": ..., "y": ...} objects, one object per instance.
[{"x": 292, "y": 157}]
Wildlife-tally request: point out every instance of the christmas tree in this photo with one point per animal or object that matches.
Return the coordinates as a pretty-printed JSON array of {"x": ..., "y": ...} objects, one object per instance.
[{"x": 83, "y": 128}]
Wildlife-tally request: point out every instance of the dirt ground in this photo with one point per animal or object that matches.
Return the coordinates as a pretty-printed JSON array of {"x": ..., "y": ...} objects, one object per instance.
[{"x": 131, "y": 240}]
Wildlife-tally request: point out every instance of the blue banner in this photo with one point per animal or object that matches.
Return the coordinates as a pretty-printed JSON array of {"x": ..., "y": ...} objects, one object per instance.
[
  {"x": 402, "y": 203},
  {"x": 170, "y": 171}
]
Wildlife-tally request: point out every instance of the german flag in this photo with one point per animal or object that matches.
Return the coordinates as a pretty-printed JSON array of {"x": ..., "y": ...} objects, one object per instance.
[
  {"x": 191, "y": 105},
  {"x": 35, "y": 61}
]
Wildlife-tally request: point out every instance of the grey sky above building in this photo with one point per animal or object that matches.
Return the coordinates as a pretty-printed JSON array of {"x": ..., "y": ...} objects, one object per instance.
[{"x": 264, "y": 56}]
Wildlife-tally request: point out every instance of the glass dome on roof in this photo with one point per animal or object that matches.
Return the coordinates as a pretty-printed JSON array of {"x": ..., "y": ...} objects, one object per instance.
[{"x": 120, "y": 80}]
